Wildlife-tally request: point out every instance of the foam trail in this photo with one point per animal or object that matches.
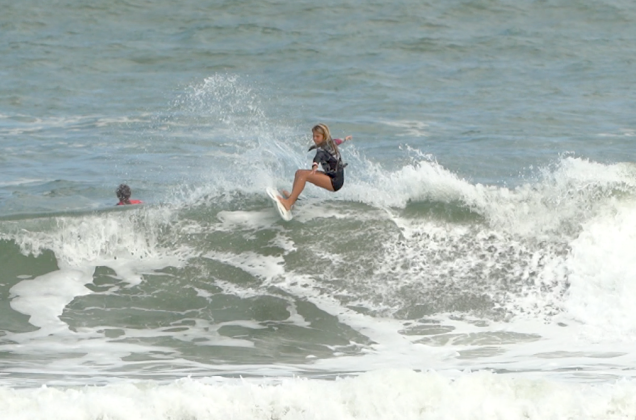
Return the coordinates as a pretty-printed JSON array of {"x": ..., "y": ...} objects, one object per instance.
[{"x": 44, "y": 298}]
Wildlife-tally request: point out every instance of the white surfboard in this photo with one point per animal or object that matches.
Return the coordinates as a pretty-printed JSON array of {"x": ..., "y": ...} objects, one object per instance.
[{"x": 284, "y": 213}]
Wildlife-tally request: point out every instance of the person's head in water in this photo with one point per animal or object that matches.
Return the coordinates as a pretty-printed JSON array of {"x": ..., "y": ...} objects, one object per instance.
[
  {"x": 322, "y": 137},
  {"x": 123, "y": 193}
]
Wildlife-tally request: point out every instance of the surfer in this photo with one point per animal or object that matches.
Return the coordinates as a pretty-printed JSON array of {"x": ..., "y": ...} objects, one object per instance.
[
  {"x": 123, "y": 194},
  {"x": 328, "y": 157}
]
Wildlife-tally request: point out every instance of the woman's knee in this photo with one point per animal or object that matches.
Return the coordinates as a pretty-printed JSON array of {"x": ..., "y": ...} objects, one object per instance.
[{"x": 302, "y": 173}]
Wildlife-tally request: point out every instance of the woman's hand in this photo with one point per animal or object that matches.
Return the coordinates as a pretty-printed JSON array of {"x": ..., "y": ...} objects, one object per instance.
[{"x": 314, "y": 167}]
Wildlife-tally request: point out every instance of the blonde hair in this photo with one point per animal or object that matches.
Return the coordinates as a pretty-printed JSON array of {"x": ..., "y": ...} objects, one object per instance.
[{"x": 326, "y": 135}]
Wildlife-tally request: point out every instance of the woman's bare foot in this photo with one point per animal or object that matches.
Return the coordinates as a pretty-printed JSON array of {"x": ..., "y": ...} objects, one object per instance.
[
  {"x": 284, "y": 201},
  {"x": 285, "y": 194}
]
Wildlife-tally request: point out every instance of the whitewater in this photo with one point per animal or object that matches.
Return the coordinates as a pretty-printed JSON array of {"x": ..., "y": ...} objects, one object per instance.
[{"x": 476, "y": 264}]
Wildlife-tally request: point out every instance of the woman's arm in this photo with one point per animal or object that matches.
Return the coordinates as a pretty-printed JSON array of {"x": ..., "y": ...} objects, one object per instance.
[{"x": 340, "y": 141}]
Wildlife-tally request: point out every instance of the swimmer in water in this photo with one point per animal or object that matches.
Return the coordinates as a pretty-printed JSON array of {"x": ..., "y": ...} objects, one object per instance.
[{"x": 123, "y": 194}]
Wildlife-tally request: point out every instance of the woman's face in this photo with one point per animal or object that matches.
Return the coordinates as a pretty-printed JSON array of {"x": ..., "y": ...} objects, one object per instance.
[{"x": 318, "y": 137}]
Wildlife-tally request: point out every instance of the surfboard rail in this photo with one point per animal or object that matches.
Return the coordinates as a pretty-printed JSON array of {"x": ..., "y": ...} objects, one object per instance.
[{"x": 284, "y": 213}]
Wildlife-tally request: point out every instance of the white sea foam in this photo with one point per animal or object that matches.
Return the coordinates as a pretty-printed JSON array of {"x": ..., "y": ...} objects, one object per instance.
[
  {"x": 410, "y": 128},
  {"x": 520, "y": 258},
  {"x": 384, "y": 394},
  {"x": 128, "y": 242},
  {"x": 44, "y": 298},
  {"x": 563, "y": 195},
  {"x": 603, "y": 274},
  {"x": 22, "y": 181}
]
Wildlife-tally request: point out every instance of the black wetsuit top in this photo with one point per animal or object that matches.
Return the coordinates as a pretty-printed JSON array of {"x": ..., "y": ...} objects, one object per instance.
[{"x": 331, "y": 164}]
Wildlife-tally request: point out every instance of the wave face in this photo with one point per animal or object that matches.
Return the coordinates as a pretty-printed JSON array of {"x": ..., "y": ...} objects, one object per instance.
[{"x": 218, "y": 282}]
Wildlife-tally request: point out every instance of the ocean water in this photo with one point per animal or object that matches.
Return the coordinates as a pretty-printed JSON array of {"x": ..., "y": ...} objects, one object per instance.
[{"x": 477, "y": 264}]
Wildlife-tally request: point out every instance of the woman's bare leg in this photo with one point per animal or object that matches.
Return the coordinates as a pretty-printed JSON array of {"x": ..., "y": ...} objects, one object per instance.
[{"x": 320, "y": 179}]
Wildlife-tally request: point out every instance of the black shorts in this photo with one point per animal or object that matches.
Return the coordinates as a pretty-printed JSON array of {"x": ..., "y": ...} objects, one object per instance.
[{"x": 337, "y": 181}]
